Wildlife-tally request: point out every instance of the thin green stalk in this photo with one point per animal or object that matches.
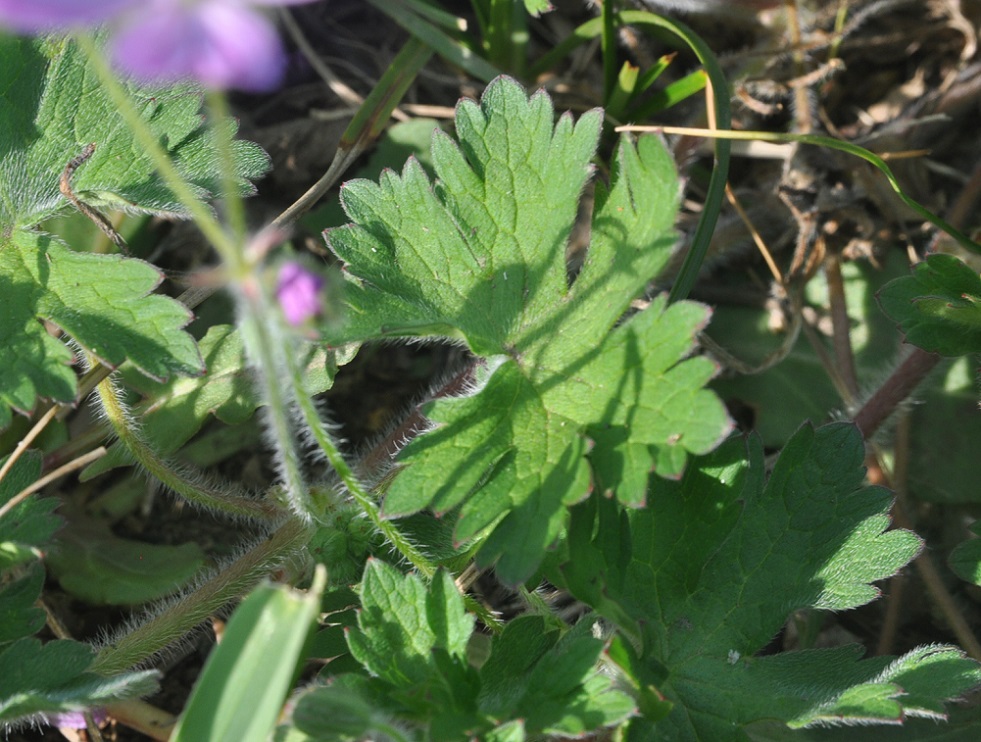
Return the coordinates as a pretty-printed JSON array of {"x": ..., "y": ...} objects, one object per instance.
[
  {"x": 819, "y": 140},
  {"x": 506, "y": 37},
  {"x": 361, "y": 496},
  {"x": 221, "y": 124},
  {"x": 201, "y": 214},
  {"x": 182, "y": 615},
  {"x": 225, "y": 498},
  {"x": 449, "y": 48},
  {"x": 368, "y": 122},
  {"x": 608, "y": 44},
  {"x": 255, "y": 309}
]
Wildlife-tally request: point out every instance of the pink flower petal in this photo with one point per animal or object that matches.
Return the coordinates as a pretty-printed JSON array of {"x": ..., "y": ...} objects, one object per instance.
[
  {"x": 220, "y": 43},
  {"x": 298, "y": 293},
  {"x": 244, "y": 52}
]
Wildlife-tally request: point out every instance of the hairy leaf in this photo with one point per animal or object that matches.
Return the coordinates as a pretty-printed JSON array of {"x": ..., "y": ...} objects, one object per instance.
[
  {"x": 480, "y": 256},
  {"x": 706, "y": 575},
  {"x": 52, "y": 107},
  {"x": 413, "y": 640},
  {"x": 100, "y": 301}
]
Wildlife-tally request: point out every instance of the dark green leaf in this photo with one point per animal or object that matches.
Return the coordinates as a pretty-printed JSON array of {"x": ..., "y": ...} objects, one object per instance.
[
  {"x": 938, "y": 307},
  {"x": 706, "y": 575},
  {"x": 97, "y": 566}
]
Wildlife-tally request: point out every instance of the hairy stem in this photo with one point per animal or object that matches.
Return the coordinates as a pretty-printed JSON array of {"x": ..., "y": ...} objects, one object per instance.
[
  {"x": 896, "y": 388},
  {"x": 256, "y": 320},
  {"x": 222, "y": 497},
  {"x": 182, "y": 616},
  {"x": 363, "y": 497}
]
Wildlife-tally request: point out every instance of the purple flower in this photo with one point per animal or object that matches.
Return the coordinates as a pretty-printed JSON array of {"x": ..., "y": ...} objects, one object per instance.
[
  {"x": 298, "y": 291},
  {"x": 219, "y": 43},
  {"x": 38, "y": 16}
]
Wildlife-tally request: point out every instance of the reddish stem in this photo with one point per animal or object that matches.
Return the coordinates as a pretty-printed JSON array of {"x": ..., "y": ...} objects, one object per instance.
[{"x": 904, "y": 379}]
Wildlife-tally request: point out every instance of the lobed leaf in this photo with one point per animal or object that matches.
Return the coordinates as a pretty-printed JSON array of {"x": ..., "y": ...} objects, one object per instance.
[
  {"x": 100, "y": 301},
  {"x": 413, "y": 639},
  {"x": 52, "y": 107},
  {"x": 480, "y": 256},
  {"x": 706, "y": 575},
  {"x": 401, "y": 622}
]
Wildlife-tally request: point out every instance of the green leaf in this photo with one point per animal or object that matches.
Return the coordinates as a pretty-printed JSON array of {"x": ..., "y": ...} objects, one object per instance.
[
  {"x": 481, "y": 256},
  {"x": 92, "y": 563},
  {"x": 30, "y": 524},
  {"x": 24, "y": 531},
  {"x": 241, "y": 691},
  {"x": 100, "y": 301},
  {"x": 412, "y": 639},
  {"x": 52, "y": 108},
  {"x": 965, "y": 559},
  {"x": 401, "y": 623},
  {"x": 705, "y": 576},
  {"x": 51, "y": 678},
  {"x": 938, "y": 307},
  {"x": 54, "y": 105},
  {"x": 550, "y": 682},
  {"x": 337, "y": 713},
  {"x": 19, "y": 614}
]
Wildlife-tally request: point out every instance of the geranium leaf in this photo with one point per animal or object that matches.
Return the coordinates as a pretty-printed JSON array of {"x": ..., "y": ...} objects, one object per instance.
[
  {"x": 53, "y": 108},
  {"x": 706, "y": 575},
  {"x": 480, "y": 256},
  {"x": 100, "y": 301}
]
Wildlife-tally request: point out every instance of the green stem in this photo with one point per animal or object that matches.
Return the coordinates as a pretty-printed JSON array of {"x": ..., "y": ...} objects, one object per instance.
[
  {"x": 256, "y": 311},
  {"x": 150, "y": 143},
  {"x": 225, "y": 497},
  {"x": 183, "y": 615},
  {"x": 224, "y": 129},
  {"x": 361, "y": 495}
]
